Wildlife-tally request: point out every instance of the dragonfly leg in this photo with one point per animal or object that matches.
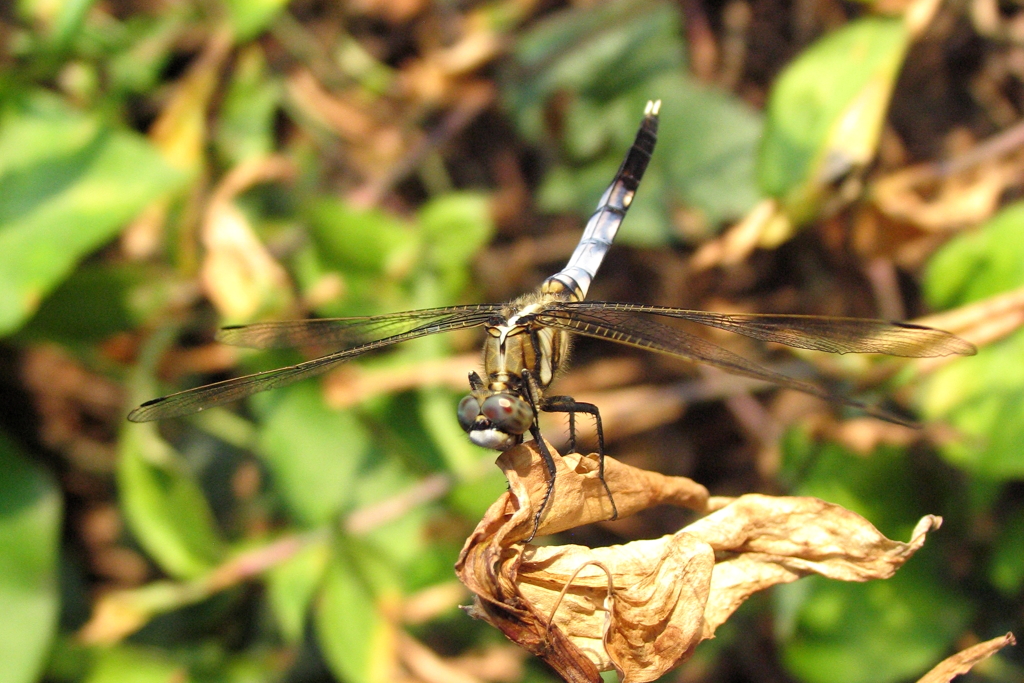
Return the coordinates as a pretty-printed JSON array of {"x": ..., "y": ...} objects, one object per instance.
[
  {"x": 572, "y": 431},
  {"x": 549, "y": 462},
  {"x": 566, "y": 404},
  {"x": 531, "y": 392}
]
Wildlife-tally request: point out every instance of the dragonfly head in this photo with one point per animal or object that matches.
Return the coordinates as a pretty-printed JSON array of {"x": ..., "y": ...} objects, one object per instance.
[{"x": 497, "y": 421}]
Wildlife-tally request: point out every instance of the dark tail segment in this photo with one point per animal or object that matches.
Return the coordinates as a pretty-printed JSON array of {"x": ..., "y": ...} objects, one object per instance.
[
  {"x": 635, "y": 164},
  {"x": 597, "y": 238}
]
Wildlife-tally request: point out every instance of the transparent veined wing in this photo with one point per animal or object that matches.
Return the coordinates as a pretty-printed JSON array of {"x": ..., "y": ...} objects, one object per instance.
[
  {"x": 817, "y": 333},
  {"x": 348, "y": 332},
  {"x": 411, "y": 324},
  {"x": 624, "y": 327}
]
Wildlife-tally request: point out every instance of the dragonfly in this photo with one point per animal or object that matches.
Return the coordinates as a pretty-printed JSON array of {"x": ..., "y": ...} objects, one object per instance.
[{"x": 527, "y": 340}]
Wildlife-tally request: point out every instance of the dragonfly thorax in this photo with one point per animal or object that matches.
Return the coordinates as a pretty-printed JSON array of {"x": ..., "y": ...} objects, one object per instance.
[{"x": 518, "y": 343}]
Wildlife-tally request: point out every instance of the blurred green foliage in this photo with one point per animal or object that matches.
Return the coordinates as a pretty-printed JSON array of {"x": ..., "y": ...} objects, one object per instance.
[
  {"x": 848, "y": 633},
  {"x": 83, "y": 173},
  {"x": 30, "y": 525},
  {"x": 63, "y": 168},
  {"x": 613, "y": 60},
  {"x": 983, "y": 396},
  {"x": 826, "y": 112}
]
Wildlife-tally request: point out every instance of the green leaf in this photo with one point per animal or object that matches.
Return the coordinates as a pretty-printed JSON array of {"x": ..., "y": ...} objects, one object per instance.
[
  {"x": 30, "y": 521},
  {"x": 251, "y": 17},
  {"x": 613, "y": 59},
  {"x": 978, "y": 263},
  {"x": 148, "y": 47},
  {"x": 354, "y": 635},
  {"x": 255, "y": 665},
  {"x": 981, "y": 396},
  {"x": 598, "y": 52},
  {"x": 455, "y": 227},
  {"x": 472, "y": 497},
  {"x": 1006, "y": 571},
  {"x": 314, "y": 454},
  {"x": 245, "y": 128},
  {"x": 69, "y": 185},
  {"x": 437, "y": 407},
  {"x": 386, "y": 478},
  {"x": 367, "y": 240},
  {"x": 706, "y": 147},
  {"x": 69, "y": 22},
  {"x": 95, "y": 302},
  {"x": 126, "y": 664},
  {"x": 826, "y": 110},
  {"x": 875, "y": 632},
  {"x": 292, "y": 585},
  {"x": 63, "y": 20},
  {"x": 164, "y": 505},
  {"x": 704, "y": 159}
]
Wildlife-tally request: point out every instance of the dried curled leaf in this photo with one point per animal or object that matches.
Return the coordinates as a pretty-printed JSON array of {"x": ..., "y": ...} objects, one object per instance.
[
  {"x": 762, "y": 541},
  {"x": 963, "y": 661},
  {"x": 579, "y": 495},
  {"x": 641, "y": 608},
  {"x": 637, "y": 607},
  {"x": 519, "y": 600}
]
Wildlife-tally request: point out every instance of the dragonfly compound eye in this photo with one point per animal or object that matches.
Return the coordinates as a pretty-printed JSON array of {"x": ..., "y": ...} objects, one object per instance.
[
  {"x": 508, "y": 413},
  {"x": 469, "y": 408}
]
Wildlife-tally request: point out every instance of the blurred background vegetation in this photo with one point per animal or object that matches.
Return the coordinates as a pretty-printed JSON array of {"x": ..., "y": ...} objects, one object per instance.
[{"x": 167, "y": 167}]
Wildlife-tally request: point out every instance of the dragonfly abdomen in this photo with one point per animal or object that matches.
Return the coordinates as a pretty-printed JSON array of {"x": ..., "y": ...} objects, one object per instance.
[{"x": 611, "y": 210}]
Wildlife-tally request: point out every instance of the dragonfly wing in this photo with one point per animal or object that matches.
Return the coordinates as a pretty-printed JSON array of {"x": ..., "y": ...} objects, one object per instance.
[
  {"x": 349, "y": 332},
  {"x": 624, "y": 328},
  {"x": 194, "y": 400},
  {"x": 817, "y": 333}
]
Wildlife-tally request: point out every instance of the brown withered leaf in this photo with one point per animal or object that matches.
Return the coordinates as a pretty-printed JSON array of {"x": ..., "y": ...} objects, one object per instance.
[
  {"x": 579, "y": 495},
  {"x": 637, "y": 608},
  {"x": 921, "y": 196},
  {"x": 490, "y": 561},
  {"x": 761, "y": 541},
  {"x": 642, "y": 607},
  {"x": 239, "y": 274},
  {"x": 964, "y": 661}
]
